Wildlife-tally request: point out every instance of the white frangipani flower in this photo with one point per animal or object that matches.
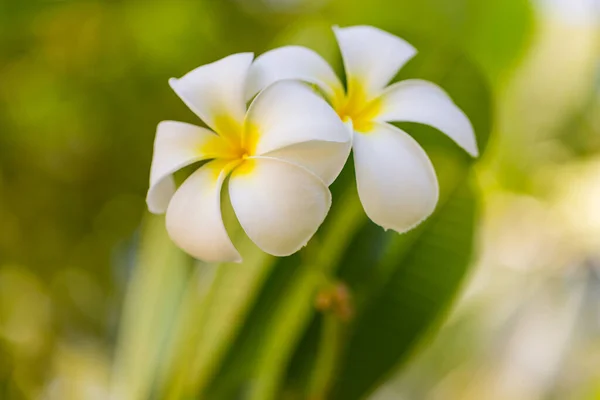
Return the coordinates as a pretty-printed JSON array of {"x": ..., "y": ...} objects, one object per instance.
[
  {"x": 280, "y": 155},
  {"x": 396, "y": 181}
]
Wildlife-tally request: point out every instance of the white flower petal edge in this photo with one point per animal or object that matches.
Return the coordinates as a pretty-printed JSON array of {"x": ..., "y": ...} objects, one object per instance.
[
  {"x": 372, "y": 56},
  {"x": 324, "y": 159},
  {"x": 290, "y": 112},
  {"x": 426, "y": 103},
  {"x": 280, "y": 205},
  {"x": 194, "y": 220},
  {"x": 291, "y": 62},
  {"x": 290, "y": 119},
  {"x": 177, "y": 145},
  {"x": 214, "y": 91},
  {"x": 396, "y": 181}
]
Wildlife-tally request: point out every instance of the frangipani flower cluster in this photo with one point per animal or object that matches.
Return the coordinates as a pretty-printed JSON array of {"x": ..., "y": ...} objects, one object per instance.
[{"x": 282, "y": 152}]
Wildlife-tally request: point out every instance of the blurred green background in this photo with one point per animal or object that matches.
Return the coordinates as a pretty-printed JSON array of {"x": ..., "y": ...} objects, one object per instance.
[{"x": 83, "y": 85}]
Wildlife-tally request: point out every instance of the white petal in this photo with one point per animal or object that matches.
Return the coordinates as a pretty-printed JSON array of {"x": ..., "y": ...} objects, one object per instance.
[
  {"x": 426, "y": 103},
  {"x": 292, "y": 62},
  {"x": 397, "y": 184},
  {"x": 290, "y": 113},
  {"x": 371, "y": 56},
  {"x": 280, "y": 205},
  {"x": 194, "y": 220},
  {"x": 215, "y": 92},
  {"x": 177, "y": 145},
  {"x": 324, "y": 159}
]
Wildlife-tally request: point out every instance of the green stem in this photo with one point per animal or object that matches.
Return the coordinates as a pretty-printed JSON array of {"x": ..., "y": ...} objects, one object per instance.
[
  {"x": 152, "y": 294},
  {"x": 294, "y": 313},
  {"x": 190, "y": 319},
  {"x": 330, "y": 349},
  {"x": 220, "y": 317},
  {"x": 292, "y": 317},
  {"x": 233, "y": 294},
  {"x": 209, "y": 319}
]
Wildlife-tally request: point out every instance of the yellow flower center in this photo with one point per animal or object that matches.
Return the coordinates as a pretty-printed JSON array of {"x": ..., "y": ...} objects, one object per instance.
[
  {"x": 240, "y": 141},
  {"x": 234, "y": 144},
  {"x": 354, "y": 105}
]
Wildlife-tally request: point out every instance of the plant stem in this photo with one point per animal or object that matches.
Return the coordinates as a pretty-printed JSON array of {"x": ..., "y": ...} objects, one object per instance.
[
  {"x": 330, "y": 349},
  {"x": 294, "y": 313},
  {"x": 153, "y": 293}
]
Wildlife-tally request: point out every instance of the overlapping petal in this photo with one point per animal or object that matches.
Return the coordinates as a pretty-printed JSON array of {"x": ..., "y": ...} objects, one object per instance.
[
  {"x": 371, "y": 56},
  {"x": 177, "y": 145},
  {"x": 215, "y": 92},
  {"x": 324, "y": 159},
  {"x": 396, "y": 181},
  {"x": 194, "y": 220},
  {"x": 287, "y": 115},
  {"x": 280, "y": 205},
  {"x": 292, "y": 62},
  {"x": 426, "y": 103}
]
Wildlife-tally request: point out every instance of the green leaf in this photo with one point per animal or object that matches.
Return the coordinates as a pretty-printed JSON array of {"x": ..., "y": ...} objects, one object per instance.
[{"x": 426, "y": 268}]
